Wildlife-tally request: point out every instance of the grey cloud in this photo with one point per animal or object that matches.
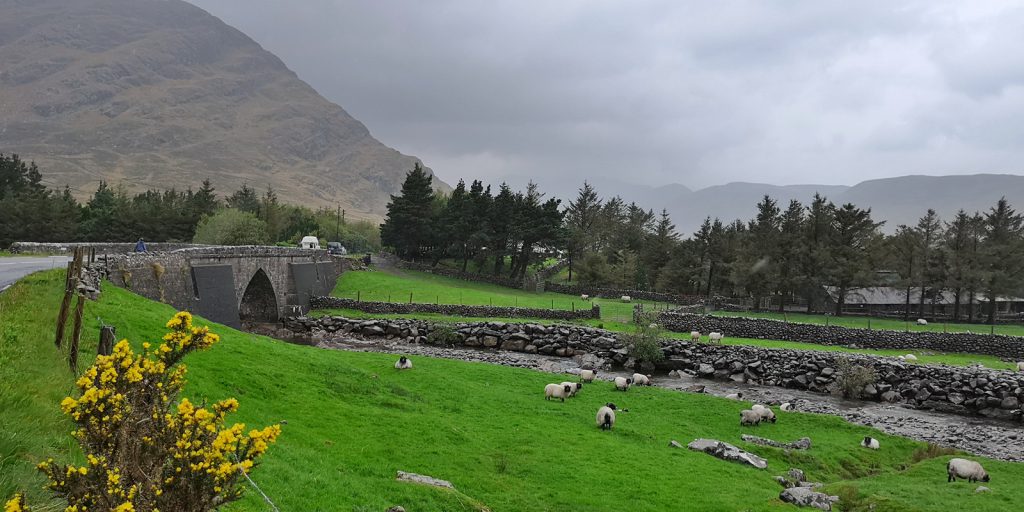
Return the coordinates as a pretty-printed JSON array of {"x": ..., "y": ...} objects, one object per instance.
[{"x": 698, "y": 93}]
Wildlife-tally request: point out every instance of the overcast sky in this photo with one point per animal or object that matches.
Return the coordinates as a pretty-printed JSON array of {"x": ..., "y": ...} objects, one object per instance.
[{"x": 656, "y": 92}]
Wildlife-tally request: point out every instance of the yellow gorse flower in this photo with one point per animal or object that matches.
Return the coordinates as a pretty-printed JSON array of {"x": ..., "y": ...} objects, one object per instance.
[{"x": 126, "y": 411}]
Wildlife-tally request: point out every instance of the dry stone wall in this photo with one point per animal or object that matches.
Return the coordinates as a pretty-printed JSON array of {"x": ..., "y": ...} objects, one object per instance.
[
  {"x": 991, "y": 393},
  {"x": 615, "y": 293},
  {"x": 1011, "y": 347},
  {"x": 99, "y": 247},
  {"x": 465, "y": 276},
  {"x": 454, "y": 309}
]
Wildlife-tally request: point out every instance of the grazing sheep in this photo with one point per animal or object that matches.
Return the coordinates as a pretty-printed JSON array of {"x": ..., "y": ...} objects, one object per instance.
[
  {"x": 622, "y": 383},
  {"x": 403, "y": 363},
  {"x": 715, "y": 337},
  {"x": 640, "y": 379},
  {"x": 557, "y": 391},
  {"x": 584, "y": 296},
  {"x": 735, "y": 396},
  {"x": 869, "y": 442},
  {"x": 1020, "y": 366},
  {"x": 787, "y": 407},
  {"x": 749, "y": 418},
  {"x": 606, "y": 416},
  {"x": 588, "y": 375},
  {"x": 910, "y": 357},
  {"x": 695, "y": 335},
  {"x": 574, "y": 387},
  {"x": 766, "y": 412},
  {"x": 901, "y": 358},
  {"x": 963, "y": 468},
  {"x": 922, "y": 321},
  {"x": 627, "y": 298}
]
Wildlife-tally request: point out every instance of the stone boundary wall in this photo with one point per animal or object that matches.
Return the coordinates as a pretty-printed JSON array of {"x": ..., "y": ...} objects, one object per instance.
[
  {"x": 465, "y": 276},
  {"x": 1011, "y": 347},
  {"x": 453, "y": 309},
  {"x": 100, "y": 247},
  {"x": 615, "y": 293},
  {"x": 966, "y": 390},
  {"x": 548, "y": 272}
]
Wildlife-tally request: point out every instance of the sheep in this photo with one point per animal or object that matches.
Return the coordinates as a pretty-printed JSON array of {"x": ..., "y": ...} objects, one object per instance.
[
  {"x": 910, "y": 357},
  {"x": 606, "y": 416},
  {"x": 403, "y": 363},
  {"x": 766, "y": 412},
  {"x": 694, "y": 335},
  {"x": 901, "y": 358},
  {"x": 749, "y": 418},
  {"x": 574, "y": 387},
  {"x": 922, "y": 321},
  {"x": 640, "y": 379},
  {"x": 627, "y": 298},
  {"x": 1020, "y": 366},
  {"x": 963, "y": 468},
  {"x": 786, "y": 406},
  {"x": 557, "y": 391},
  {"x": 869, "y": 442},
  {"x": 584, "y": 296},
  {"x": 622, "y": 383},
  {"x": 588, "y": 375},
  {"x": 735, "y": 396},
  {"x": 715, "y": 337}
]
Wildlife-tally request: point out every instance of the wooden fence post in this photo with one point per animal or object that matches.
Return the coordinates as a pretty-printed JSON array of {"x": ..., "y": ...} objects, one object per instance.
[
  {"x": 76, "y": 334},
  {"x": 108, "y": 333}
]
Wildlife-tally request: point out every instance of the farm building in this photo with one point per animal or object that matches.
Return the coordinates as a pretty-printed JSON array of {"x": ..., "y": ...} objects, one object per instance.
[{"x": 889, "y": 300}]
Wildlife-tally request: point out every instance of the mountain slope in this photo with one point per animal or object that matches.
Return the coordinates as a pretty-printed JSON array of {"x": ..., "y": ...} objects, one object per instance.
[{"x": 159, "y": 93}]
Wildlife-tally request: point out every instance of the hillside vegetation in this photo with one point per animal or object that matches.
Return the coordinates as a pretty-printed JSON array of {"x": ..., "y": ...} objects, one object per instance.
[{"x": 353, "y": 421}]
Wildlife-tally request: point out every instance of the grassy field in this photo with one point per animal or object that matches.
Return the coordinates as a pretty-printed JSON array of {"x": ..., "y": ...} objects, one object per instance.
[
  {"x": 397, "y": 285},
  {"x": 882, "y": 323},
  {"x": 353, "y": 421}
]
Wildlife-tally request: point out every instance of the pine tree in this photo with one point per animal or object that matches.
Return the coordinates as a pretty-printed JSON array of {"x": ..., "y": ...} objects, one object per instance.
[
  {"x": 929, "y": 229},
  {"x": 407, "y": 227},
  {"x": 1000, "y": 254},
  {"x": 853, "y": 234},
  {"x": 581, "y": 220}
]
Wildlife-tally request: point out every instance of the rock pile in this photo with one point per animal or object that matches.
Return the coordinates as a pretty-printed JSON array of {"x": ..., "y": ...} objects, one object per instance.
[{"x": 594, "y": 311}]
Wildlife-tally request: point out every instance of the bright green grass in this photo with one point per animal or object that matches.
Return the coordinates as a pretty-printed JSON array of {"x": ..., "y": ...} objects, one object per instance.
[
  {"x": 430, "y": 288},
  {"x": 924, "y": 357},
  {"x": 880, "y": 323},
  {"x": 353, "y": 421}
]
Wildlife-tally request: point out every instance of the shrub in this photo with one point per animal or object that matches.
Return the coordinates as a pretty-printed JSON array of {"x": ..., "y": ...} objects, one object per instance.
[
  {"x": 643, "y": 343},
  {"x": 145, "y": 451},
  {"x": 443, "y": 335},
  {"x": 231, "y": 227},
  {"x": 930, "y": 451},
  {"x": 851, "y": 377}
]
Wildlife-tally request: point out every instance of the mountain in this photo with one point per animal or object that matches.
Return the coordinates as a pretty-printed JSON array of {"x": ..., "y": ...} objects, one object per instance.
[
  {"x": 160, "y": 94},
  {"x": 900, "y": 200}
]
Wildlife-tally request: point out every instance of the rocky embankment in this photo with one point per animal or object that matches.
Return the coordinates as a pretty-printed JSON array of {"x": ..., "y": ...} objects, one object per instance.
[{"x": 961, "y": 390}]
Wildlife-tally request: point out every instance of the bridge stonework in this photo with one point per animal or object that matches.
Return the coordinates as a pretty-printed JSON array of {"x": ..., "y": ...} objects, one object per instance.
[{"x": 228, "y": 285}]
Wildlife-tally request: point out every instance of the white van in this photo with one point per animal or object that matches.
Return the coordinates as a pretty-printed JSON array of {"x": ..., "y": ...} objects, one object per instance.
[{"x": 309, "y": 242}]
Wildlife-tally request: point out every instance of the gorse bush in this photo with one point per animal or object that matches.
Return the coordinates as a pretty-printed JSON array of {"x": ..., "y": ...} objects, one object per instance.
[
  {"x": 443, "y": 335},
  {"x": 144, "y": 450}
]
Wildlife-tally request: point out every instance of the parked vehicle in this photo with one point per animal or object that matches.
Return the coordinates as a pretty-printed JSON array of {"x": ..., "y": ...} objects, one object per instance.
[{"x": 336, "y": 248}]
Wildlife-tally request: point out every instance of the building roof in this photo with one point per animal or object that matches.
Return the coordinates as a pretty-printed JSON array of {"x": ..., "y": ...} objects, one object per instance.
[{"x": 889, "y": 296}]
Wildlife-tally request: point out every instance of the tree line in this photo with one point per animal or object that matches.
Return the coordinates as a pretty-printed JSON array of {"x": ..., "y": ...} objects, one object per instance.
[
  {"x": 783, "y": 256},
  {"x": 30, "y": 211}
]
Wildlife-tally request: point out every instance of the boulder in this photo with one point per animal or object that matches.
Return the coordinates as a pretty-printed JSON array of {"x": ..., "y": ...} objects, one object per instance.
[
  {"x": 726, "y": 451},
  {"x": 807, "y": 497}
]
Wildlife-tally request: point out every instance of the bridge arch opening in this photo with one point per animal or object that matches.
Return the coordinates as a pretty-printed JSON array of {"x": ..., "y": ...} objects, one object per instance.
[{"x": 259, "y": 302}]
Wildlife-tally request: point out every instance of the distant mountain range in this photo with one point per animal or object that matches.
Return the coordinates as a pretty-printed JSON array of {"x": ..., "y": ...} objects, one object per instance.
[
  {"x": 900, "y": 200},
  {"x": 160, "y": 94}
]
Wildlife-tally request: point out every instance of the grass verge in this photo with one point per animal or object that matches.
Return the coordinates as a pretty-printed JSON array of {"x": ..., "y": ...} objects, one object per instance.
[{"x": 353, "y": 421}]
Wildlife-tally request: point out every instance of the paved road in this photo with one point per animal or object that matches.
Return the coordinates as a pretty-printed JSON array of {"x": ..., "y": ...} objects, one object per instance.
[{"x": 14, "y": 268}]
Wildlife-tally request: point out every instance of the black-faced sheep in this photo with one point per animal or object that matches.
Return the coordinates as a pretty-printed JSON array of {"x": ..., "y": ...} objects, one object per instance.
[
  {"x": 1020, "y": 366},
  {"x": 910, "y": 357},
  {"x": 574, "y": 387},
  {"x": 766, "y": 413},
  {"x": 622, "y": 383},
  {"x": 694, "y": 335},
  {"x": 869, "y": 442},
  {"x": 735, "y": 396},
  {"x": 588, "y": 375},
  {"x": 922, "y": 321},
  {"x": 403, "y": 363},
  {"x": 715, "y": 337},
  {"x": 626, "y": 298},
  {"x": 787, "y": 407},
  {"x": 640, "y": 379},
  {"x": 557, "y": 391},
  {"x": 606, "y": 416},
  {"x": 963, "y": 468},
  {"x": 749, "y": 418}
]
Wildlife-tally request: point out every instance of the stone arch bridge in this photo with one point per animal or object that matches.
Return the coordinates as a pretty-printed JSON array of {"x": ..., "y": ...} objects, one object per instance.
[{"x": 229, "y": 285}]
